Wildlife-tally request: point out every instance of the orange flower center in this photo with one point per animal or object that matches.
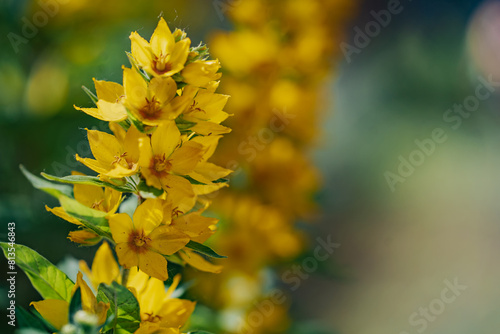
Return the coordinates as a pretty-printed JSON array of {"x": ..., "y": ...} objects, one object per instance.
[
  {"x": 160, "y": 165},
  {"x": 151, "y": 109},
  {"x": 138, "y": 242},
  {"x": 150, "y": 317},
  {"x": 161, "y": 65}
]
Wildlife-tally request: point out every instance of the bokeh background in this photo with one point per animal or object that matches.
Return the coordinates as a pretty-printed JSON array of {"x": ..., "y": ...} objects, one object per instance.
[{"x": 397, "y": 247}]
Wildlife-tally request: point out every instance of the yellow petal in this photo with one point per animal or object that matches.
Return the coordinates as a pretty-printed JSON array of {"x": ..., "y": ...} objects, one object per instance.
[
  {"x": 165, "y": 139},
  {"x": 199, "y": 262},
  {"x": 200, "y": 73},
  {"x": 152, "y": 297},
  {"x": 202, "y": 189},
  {"x": 108, "y": 90},
  {"x": 131, "y": 142},
  {"x": 105, "y": 147},
  {"x": 92, "y": 164},
  {"x": 141, "y": 50},
  {"x": 137, "y": 279},
  {"x": 185, "y": 158},
  {"x": 179, "y": 56},
  {"x": 126, "y": 256},
  {"x": 210, "y": 172},
  {"x": 209, "y": 143},
  {"x": 111, "y": 111},
  {"x": 167, "y": 240},
  {"x": 163, "y": 88},
  {"x": 136, "y": 89},
  {"x": 180, "y": 191},
  {"x": 176, "y": 312},
  {"x": 153, "y": 264},
  {"x": 89, "y": 302},
  {"x": 210, "y": 128},
  {"x": 59, "y": 212},
  {"x": 55, "y": 311},
  {"x": 148, "y": 215},
  {"x": 153, "y": 328},
  {"x": 104, "y": 267},
  {"x": 112, "y": 200},
  {"x": 196, "y": 226},
  {"x": 162, "y": 40},
  {"x": 87, "y": 194},
  {"x": 85, "y": 237},
  {"x": 121, "y": 226}
]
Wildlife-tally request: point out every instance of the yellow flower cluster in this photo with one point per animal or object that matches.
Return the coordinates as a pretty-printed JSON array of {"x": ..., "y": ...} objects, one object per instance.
[
  {"x": 277, "y": 62},
  {"x": 165, "y": 123}
]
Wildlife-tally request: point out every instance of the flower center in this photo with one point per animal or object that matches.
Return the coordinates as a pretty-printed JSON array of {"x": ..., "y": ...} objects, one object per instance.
[
  {"x": 150, "y": 317},
  {"x": 150, "y": 109},
  {"x": 138, "y": 241},
  {"x": 96, "y": 204},
  {"x": 160, "y": 164},
  {"x": 161, "y": 64}
]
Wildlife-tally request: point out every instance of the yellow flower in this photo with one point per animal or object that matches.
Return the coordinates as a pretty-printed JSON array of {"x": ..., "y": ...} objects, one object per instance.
[
  {"x": 104, "y": 267},
  {"x": 109, "y": 106},
  {"x": 199, "y": 73},
  {"x": 106, "y": 200},
  {"x": 84, "y": 237},
  {"x": 56, "y": 311},
  {"x": 207, "y": 172},
  {"x": 112, "y": 158},
  {"x": 143, "y": 241},
  {"x": 162, "y": 56},
  {"x": 206, "y": 110},
  {"x": 165, "y": 157},
  {"x": 159, "y": 309},
  {"x": 153, "y": 102}
]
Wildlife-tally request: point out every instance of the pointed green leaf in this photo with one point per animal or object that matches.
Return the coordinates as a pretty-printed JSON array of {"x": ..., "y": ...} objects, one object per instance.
[
  {"x": 46, "y": 278},
  {"x": 90, "y": 180},
  {"x": 92, "y": 96},
  {"x": 27, "y": 320},
  {"x": 123, "y": 306},
  {"x": 50, "y": 188},
  {"x": 90, "y": 218},
  {"x": 200, "y": 248}
]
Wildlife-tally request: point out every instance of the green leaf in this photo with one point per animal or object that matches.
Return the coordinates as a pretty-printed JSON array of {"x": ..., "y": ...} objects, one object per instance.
[
  {"x": 92, "y": 96},
  {"x": 90, "y": 218},
  {"x": 50, "y": 188},
  {"x": 30, "y": 331},
  {"x": 200, "y": 248},
  {"x": 90, "y": 180},
  {"x": 123, "y": 306},
  {"x": 76, "y": 304},
  {"x": 27, "y": 320},
  {"x": 46, "y": 278},
  {"x": 143, "y": 186},
  {"x": 193, "y": 181},
  {"x": 199, "y": 332}
]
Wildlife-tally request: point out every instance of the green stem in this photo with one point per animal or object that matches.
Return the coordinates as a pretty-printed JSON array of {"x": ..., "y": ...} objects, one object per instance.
[{"x": 125, "y": 274}]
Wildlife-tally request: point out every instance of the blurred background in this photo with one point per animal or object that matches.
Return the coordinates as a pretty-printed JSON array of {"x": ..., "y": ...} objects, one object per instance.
[{"x": 402, "y": 243}]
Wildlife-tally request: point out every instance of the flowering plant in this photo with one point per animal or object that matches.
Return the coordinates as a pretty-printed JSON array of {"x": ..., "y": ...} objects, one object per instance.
[{"x": 146, "y": 203}]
